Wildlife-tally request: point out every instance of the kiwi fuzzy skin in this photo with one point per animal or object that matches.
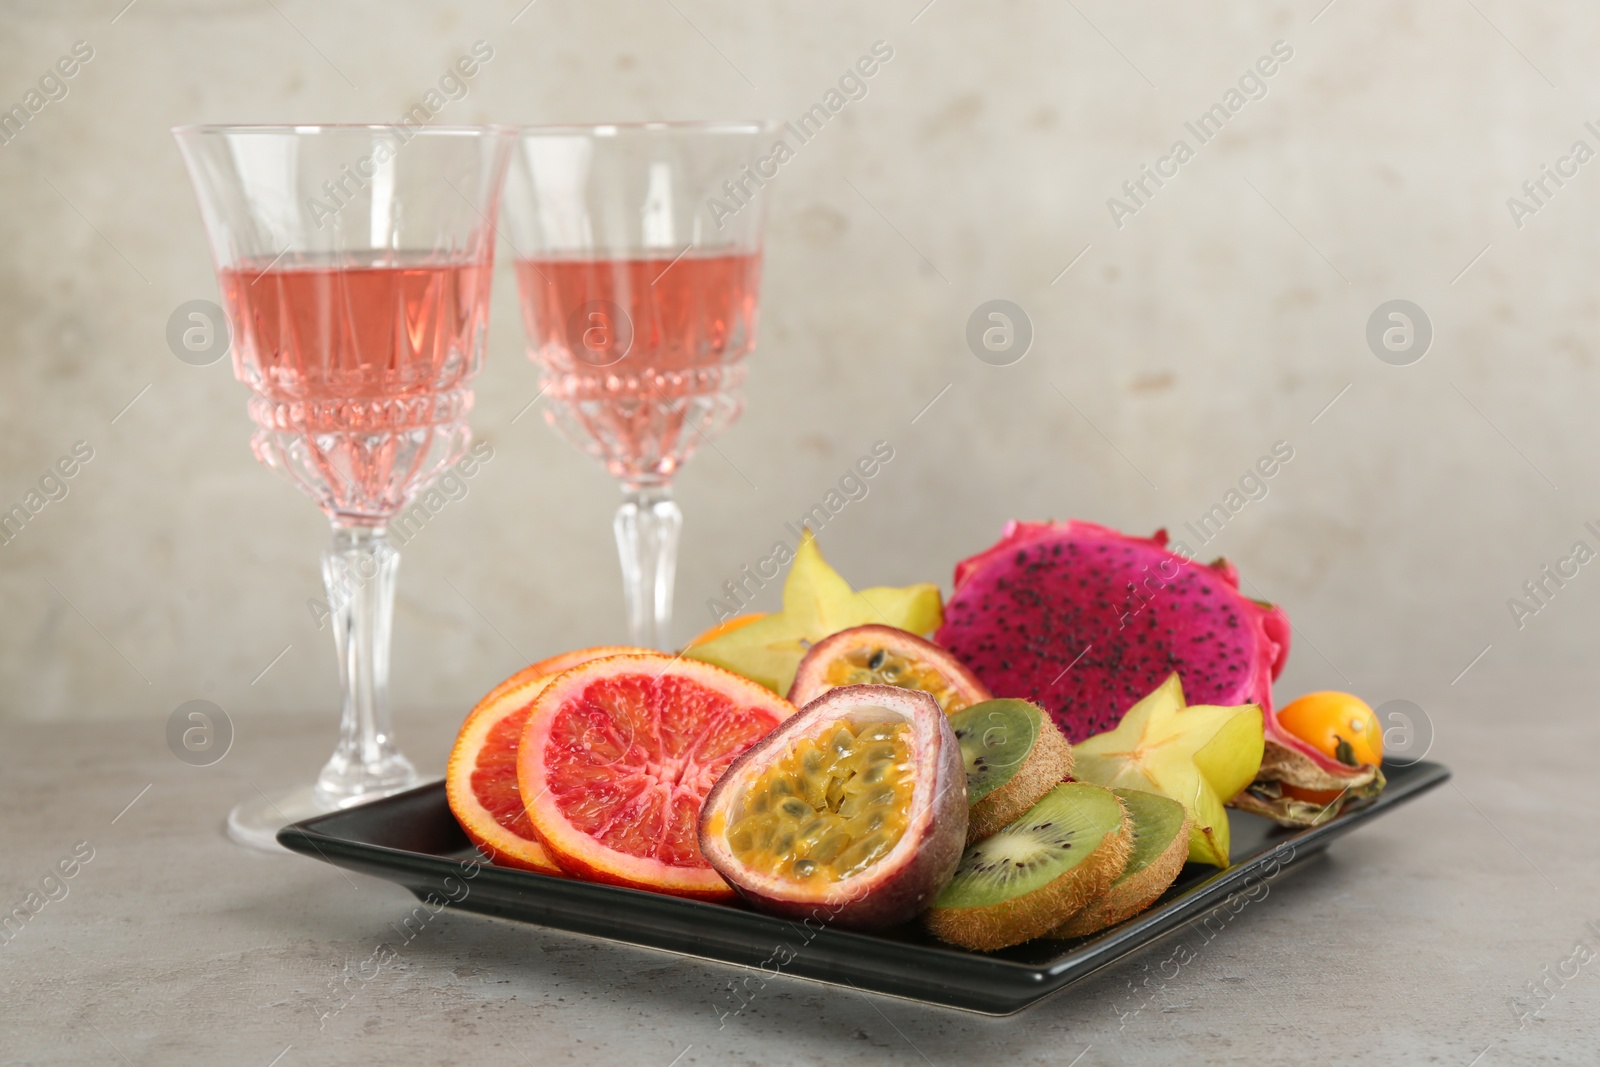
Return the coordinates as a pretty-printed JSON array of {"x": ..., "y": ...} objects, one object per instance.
[
  {"x": 1134, "y": 894},
  {"x": 1011, "y": 922},
  {"x": 1046, "y": 766}
]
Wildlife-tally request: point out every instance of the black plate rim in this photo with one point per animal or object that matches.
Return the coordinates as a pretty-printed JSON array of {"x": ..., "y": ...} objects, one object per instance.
[{"x": 1021, "y": 983}]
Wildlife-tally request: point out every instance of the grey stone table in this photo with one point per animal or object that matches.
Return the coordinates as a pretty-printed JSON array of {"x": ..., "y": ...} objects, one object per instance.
[{"x": 1410, "y": 942}]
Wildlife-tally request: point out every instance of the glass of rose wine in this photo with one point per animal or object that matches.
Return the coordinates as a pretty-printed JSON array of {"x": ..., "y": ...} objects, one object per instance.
[
  {"x": 638, "y": 255},
  {"x": 355, "y": 264}
]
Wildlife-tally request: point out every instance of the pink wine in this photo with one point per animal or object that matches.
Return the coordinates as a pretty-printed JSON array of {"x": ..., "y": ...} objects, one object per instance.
[
  {"x": 359, "y": 372},
  {"x": 357, "y": 333},
  {"x": 633, "y": 348}
]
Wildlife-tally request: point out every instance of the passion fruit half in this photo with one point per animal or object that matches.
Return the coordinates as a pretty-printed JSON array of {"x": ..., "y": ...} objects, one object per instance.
[
  {"x": 852, "y": 812},
  {"x": 883, "y": 655}
]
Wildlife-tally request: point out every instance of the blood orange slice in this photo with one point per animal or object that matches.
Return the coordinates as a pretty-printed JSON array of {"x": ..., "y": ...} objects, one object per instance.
[
  {"x": 619, "y": 754},
  {"x": 481, "y": 781}
]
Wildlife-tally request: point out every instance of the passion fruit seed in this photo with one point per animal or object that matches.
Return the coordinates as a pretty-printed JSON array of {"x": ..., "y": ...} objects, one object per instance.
[
  {"x": 882, "y": 666},
  {"x": 886, "y": 795},
  {"x": 834, "y": 807},
  {"x": 883, "y": 655}
]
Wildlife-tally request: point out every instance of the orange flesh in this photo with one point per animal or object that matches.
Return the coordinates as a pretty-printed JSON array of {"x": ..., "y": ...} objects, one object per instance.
[
  {"x": 482, "y": 778},
  {"x": 494, "y": 778},
  {"x": 634, "y": 780},
  {"x": 830, "y": 809},
  {"x": 881, "y": 666}
]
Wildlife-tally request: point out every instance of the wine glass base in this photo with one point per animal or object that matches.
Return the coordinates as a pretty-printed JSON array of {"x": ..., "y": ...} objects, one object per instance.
[{"x": 255, "y": 823}]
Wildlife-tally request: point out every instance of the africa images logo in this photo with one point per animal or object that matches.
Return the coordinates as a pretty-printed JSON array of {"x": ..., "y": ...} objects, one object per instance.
[
  {"x": 851, "y": 87},
  {"x": 1252, "y": 85}
]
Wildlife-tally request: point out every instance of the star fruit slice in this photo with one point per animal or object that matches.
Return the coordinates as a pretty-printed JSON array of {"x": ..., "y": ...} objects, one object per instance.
[
  {"x": 1200, "y": 756},
  {"x": 817, "y": 603}
]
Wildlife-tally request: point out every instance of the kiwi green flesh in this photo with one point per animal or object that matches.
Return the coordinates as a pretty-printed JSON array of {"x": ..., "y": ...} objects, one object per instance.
[
  {"x": 996, "y": 737},
  {"x": 1048, "y": 763},
  {"x": 1047, "y": 865},
  {"x": 1156, "y": 821},
  {"x": 1160, "y": 846}
]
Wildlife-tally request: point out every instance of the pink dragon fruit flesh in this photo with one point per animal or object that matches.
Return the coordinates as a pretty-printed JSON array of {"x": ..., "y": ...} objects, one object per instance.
[{"x": 1084, "y": 621}]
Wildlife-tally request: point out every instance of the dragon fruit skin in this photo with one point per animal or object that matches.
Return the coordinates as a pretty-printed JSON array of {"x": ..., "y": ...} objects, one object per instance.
[{"x": 1085, "y": 621}]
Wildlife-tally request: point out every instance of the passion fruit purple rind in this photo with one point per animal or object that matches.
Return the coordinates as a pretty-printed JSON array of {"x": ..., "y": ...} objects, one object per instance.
[{"x": 851, "y": 812}]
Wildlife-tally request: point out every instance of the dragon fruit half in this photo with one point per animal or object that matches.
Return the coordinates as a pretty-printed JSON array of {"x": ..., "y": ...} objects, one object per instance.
[{"x": 1085, "y": 621}]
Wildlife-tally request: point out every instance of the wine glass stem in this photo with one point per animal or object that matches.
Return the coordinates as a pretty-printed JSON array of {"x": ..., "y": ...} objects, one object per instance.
[
  {"x": 647, "y": 526},
  {"x": 358, "y": 572}
]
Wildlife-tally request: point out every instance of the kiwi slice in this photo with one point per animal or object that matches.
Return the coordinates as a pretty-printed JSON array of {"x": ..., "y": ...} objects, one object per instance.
[
  {"x": 1027, "y": 879},
  {"x": 1160, "y": 845},
  {"x": 1014, "y": 756}
]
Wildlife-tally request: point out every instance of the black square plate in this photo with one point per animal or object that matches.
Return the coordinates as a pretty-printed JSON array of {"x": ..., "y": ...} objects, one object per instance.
[{"x": 411, "y": 838}]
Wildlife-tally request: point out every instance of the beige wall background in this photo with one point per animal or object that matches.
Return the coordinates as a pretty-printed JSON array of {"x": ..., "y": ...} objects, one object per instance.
[{"x": 1224, "y": 316}]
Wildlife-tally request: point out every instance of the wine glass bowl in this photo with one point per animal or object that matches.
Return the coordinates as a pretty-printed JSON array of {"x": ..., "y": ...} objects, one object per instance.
[
  {"x": 641, "y": 355},
  {"x": 360, "y": 409},
  {"x": 638, "y": 252},
  {"x": 355, "y": 265}
]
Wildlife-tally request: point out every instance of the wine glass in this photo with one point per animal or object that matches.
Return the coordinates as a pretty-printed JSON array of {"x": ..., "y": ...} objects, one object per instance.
[
  {"x": 638, "y": 261},
  {"x": 355, "y": 264}
]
